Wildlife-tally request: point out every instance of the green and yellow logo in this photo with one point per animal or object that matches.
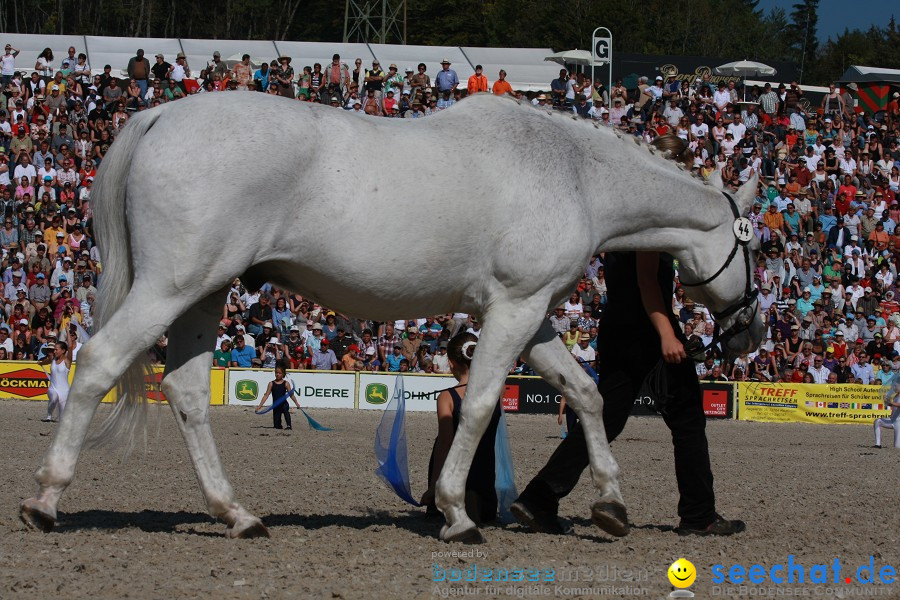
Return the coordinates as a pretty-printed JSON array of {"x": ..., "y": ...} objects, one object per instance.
[
  {"x": 246, "y": 389},
  {"x": 376, "y": 393}
]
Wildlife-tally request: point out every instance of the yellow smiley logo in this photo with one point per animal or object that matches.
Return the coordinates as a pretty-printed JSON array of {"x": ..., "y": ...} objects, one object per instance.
[{"x": 682, "y": 573}]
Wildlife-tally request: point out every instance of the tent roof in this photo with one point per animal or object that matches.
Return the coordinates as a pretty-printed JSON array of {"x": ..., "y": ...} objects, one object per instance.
[
  {"x": 525, "y": 67},
  {"x": 410, "y": 56},
  {"x": 861, "y": 74}
]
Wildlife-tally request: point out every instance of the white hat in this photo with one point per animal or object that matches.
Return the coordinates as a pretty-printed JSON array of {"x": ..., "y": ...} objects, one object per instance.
[
  {"x": 267, "y": 324},
  {"x": 240, "y": 327},
  {"x": 273, "y": 340}
]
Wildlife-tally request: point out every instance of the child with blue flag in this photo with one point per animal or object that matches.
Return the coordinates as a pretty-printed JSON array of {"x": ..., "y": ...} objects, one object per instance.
[
  {"x": 280, "y": 389},
  {"x": 481, "y": 495}
]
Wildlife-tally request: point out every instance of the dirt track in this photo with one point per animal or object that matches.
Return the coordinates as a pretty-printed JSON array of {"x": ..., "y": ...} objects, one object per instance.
[{"x": 138, "y": 528}]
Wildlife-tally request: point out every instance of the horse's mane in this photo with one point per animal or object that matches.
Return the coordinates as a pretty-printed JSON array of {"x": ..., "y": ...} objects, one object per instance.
[{"x": 663, "y": 151}]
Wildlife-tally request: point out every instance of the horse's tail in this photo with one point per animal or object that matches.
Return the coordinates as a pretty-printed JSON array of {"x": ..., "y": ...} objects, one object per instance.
[{"x": 129, "y": 416}]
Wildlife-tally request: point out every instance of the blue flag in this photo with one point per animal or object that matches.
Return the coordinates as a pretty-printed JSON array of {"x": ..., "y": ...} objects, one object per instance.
[{"x": 390, "y": 446}]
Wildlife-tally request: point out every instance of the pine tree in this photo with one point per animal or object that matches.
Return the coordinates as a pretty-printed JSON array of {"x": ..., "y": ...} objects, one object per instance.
[{"x": 804, "y": 23}]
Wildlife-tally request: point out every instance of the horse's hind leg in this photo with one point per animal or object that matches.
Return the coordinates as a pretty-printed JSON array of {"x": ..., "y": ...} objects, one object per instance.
[
  {"x": 548, "y": 356},
  {"x": 101, "y": 362},
  {"x": 192, "y": 340}
]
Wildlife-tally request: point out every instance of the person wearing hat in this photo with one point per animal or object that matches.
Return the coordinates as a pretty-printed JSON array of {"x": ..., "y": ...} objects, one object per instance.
[
  {"x": 222, "y": 336},
  {"x": 180, "y": 71},
  {"x": 446, "y": 80},
  {"x": 583, "y": 352},
  {"x": 284, "y": 77},
  {"x": 161, "y": 70},
  {"x": 478, "y": 82},
  {"x": 324, "y": 358}
]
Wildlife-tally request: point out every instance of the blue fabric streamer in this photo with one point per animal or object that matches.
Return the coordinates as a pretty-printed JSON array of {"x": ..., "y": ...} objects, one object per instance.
[
  {"x": 390, "y": 446},
  {"x": 393, "y": 461},
  {"x": 504, "y": 479},
  {"x": 313, "y": 423},
  {"x": 275, "y": 404}
]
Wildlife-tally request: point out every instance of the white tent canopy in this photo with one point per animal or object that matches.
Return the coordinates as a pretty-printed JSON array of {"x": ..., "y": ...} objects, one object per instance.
[
  {"x": 199, "y": 53},
  {"x": 525, "y": 67},
  {"x": 32, "y": 45},
  {"x": 117, "y": 51},
  {"x": 410, "y": 56},
  {"x": 306, "y": 54}
]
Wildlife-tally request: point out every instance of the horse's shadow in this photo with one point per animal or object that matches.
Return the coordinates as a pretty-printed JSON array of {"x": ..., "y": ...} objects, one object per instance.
[
  {"x": 196, "y": 523},
  {"x": 149, "y": 521},
  {"x": 154, "y": 521}
]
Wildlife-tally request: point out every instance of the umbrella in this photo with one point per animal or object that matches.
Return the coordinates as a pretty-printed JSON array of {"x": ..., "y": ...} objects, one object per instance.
[
  {"x": 570, "y": 57},
  {"x": 746, "y": 68}
]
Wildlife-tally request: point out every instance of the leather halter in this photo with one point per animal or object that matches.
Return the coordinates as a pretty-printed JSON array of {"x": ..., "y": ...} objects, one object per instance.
[{"x": 750, "y": 296}]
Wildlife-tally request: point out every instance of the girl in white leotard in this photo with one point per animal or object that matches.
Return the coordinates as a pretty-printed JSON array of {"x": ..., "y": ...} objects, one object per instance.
[
  {"x": 60, "y": 362},
  {"x": 892, "y": 399}
]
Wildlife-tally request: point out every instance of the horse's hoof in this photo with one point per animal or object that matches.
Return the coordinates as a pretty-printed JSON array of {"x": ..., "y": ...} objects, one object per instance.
[
  {"x": 611, "y": 517},
  {"x": 37, "y": 515},
  {"x": 464, "y": 535},
  {"x": 247, "y": 529}
]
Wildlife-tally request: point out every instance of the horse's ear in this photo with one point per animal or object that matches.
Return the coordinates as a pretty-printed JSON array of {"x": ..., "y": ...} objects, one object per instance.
[
  {"x": 746, "y": 194},
  {"x": 715, "y": 180}
]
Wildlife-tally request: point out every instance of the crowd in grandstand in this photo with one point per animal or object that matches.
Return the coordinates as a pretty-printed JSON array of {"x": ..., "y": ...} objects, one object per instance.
[{"x": 826, "y": 213}]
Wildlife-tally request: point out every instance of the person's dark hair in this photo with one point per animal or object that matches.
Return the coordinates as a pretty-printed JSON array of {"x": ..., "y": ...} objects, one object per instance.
[
  {"x": 461, "y": 349},
  {"x": 62, "y": 345}
]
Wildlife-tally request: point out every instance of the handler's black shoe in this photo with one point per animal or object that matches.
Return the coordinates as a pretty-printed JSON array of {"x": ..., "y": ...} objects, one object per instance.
[
  {"x": 535, "y": 519},
  {"x": 719, "y": 526}
]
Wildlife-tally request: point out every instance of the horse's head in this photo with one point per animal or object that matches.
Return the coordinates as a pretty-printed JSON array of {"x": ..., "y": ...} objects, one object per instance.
[{"x": 724, "y": 280}]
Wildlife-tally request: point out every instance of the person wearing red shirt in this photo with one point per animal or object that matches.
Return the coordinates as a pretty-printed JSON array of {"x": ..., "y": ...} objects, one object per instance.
[
  {"x": 847, "y": 188},
  {"x": 477, "y": 82},
  {"x": 501, "y": 86}
]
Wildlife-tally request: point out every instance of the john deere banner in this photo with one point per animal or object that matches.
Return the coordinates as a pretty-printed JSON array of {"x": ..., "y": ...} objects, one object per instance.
[
  {"x": 320, "y": 389},
  {"x": 810, "y": 403}
]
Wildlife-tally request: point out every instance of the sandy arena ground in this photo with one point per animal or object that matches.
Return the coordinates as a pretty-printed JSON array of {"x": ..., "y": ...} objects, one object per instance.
[{"x": 138, "y": 528}]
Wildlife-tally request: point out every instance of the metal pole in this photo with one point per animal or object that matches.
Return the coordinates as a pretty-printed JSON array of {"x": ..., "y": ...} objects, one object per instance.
[{"x": 346, "y": 18}]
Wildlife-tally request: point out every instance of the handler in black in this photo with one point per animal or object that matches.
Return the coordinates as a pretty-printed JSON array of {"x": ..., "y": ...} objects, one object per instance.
[{"x": 638, "y": 337}]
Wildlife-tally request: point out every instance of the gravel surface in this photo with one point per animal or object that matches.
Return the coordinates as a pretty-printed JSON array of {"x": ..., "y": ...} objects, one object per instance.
[{"x": 137, "y": 527}]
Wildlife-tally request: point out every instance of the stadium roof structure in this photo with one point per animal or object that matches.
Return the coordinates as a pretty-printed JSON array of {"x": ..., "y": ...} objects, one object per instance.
[
  {"x": 525, "y": 67},
  {"x": 860, "y": 74}
]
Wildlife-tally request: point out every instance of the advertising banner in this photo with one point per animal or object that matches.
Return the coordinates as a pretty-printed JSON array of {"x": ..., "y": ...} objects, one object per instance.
[
  {"x": 420, "y": 391},
  {"x": 318, "y": 389},
  {"x": 718, "y": 399},
  {"x": 26, "y": 381},
  {"x": 810, "y": 403}
]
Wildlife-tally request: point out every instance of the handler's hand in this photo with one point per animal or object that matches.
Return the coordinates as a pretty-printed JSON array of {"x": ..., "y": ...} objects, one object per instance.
[{"x": 673, "y": 350}]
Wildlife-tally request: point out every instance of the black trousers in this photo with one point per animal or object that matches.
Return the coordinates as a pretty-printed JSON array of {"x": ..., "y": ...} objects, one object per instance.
[
  {"x": 277, "y": 412},
  {"x": 621, "y": 378}
]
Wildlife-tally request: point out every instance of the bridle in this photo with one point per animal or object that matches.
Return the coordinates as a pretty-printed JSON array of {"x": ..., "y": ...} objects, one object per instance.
[{"x": 743, "y": 233}]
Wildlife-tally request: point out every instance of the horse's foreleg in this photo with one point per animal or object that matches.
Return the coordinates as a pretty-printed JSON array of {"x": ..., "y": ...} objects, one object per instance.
[
  {"x": 507, "y": 328},
  {"x": 101, "y": 362},
  {"x": 547, "y": 354},
  {"x": 186, "y": 385}
]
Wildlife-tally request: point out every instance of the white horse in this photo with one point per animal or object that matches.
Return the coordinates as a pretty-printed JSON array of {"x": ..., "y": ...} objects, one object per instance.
[{"x": 504, "y": 206}]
